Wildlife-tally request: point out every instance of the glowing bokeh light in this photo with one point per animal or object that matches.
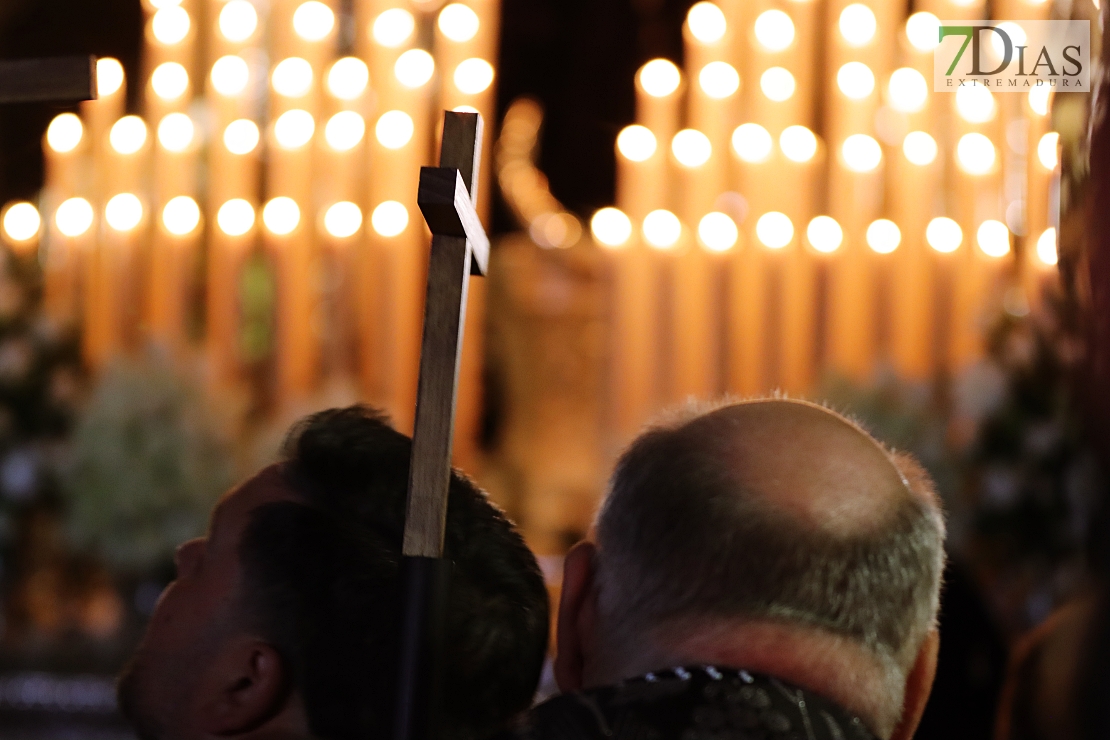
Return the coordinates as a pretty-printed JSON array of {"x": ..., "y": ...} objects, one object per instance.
[
  {"x": 691, "y": 148},
  {"x": 611, "y": 227},
  {"x": 64, "y": 133},
  {"x": 458, "y": 22},
  {"x": 636, "y": 143},
  {"x": 774, "y": 230},
  {"x": 390, "y": 218}
]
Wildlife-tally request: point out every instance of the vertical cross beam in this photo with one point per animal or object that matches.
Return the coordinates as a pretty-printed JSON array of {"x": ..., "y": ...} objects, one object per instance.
[{"x": 460, "y": 248}]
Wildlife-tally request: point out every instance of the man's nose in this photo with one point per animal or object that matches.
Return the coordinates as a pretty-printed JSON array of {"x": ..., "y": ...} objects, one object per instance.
[{"x": 187, "y": 556}]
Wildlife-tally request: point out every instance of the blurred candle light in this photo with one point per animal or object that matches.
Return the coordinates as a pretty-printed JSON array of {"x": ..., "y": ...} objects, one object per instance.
[
  {"x": 993, "y": 238},
  {"x": 473, "y": 76},
  {"x": 975, "y": 154},
  {"x": 883, "y": 236},
  {"x": 343, "y": 219},
  {"x": 660, "y": 78},
  {"x": 344, "y": 131},
  {"x": 824, "y": 234},
  {"x": 636, "y": 143},
  {"x": 777, "y": 84},
  {"x": 390, "y": 218},
  {"x": 348, "y": 78},
  {"x": 22, "y": 222},
  {"x": 922, "y": 31},
  {"x": 313, "y": 21},
  {"x": 717, "y": 232},
  {"x": 944, "y": 235},
  {"x": 611, "y": 227},
  {"x": 774, "y": 230},
  {"x": 281, "y": 215},
  {"x": 857, "y": 24},
  {"x": 74, "y": 217},
  {"x": 181, "y": 216},
  {"x": 176, "y": 132},
  {"x": 393, "y": 27},
  {"x": 1047, "y": 148},
  {"x": 170, "y": 25},
  {"x": 64, "y": 133},
  {"x": 124, "y": 212},
  {"x": 394, "y": 129},
  {"x": 169, "y": 81},
  {"x": 241, "y": 136},
  {"x": 691, "y": 148},
  {"x": 458, "y": 23},
  {"x": 1046, "y": 248},
  {"x": 856, "y": 80},
  {"x": 128, "y": 135},
  {"x": 861, "y": 153},
  {"x": 1038, "y": 99},
  {"x": 719, "y": 80},
  {"x": 798, "y": 143},
  {"x": 294, "y": 129},
  {"x": 230, "y": 75},
  {"x": 292, "y": 77},
  {"x": 907, "y": 90},
  {"x": 706, "y": 22},
  {"x": 774, "y": 30},
  {"x": 238, "y": 21},
  {"x": 235, "y": 217},
  {"x": 415, "y": 68},
  {"x": 919, "y": 148},
  {"x": 975, "y": 104},
  {"x": 109, "y": 76},
  {"x": 662, "y": 229},
  {"x": 752, "y": 143}
]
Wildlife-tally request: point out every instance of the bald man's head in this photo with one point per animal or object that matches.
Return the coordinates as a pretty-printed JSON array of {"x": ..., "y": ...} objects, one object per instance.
[{"x": 773, "y": 510}]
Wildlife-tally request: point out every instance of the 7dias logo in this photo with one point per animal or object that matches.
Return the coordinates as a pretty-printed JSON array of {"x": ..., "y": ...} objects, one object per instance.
[{"x": 1013, "y": 56}]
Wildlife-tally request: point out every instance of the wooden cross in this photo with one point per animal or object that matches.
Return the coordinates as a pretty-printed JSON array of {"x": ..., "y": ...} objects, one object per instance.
[
  {"x": 60, "y": 79},
  {"x": 460, "y": 248}
]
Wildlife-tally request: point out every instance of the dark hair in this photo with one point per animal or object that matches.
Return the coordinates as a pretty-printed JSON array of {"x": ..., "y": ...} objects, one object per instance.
[{"x": 324, "y": 585}]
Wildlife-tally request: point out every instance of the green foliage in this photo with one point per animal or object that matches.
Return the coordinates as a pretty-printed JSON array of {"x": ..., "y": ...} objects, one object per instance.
[{"x": 147, "y": 461}]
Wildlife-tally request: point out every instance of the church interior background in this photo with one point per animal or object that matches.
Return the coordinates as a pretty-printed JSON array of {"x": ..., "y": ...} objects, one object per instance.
[{"x": 688, "y": 199}]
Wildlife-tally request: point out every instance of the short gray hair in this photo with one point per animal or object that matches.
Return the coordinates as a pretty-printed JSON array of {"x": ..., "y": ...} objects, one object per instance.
[{"x": 678, "y": 539}]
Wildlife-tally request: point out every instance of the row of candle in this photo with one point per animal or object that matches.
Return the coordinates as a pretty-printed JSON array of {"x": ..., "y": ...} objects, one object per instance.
[
  {"x": 311, "y": 142},
  {"x": 839, "y": 247}
]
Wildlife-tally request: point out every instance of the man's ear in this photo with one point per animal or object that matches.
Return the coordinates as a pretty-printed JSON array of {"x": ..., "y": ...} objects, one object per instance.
[
  {"x": 919, "y": 684},
  {"x": 245, "y": 686},
  {"x": 577, "y": 616}
]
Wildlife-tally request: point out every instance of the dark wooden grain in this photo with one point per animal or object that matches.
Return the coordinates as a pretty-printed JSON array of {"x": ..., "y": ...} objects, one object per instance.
[
  {"x": 447, "y": 201},
  {"x": 58, "y": 79}
]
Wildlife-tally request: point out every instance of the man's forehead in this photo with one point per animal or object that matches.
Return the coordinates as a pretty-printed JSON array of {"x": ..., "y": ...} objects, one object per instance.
[{"x": 268, "y": 486}]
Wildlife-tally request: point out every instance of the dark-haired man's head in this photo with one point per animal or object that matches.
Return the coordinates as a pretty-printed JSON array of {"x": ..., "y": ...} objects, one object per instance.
[
  {"x": 284, "y": 621},
  {"x": 769, "y": 535}
]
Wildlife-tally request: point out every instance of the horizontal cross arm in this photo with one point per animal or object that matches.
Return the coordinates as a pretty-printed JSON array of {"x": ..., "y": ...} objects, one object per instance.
[
  {"x": 58, "y": 79},
  {"x": 449, "y": 211}
]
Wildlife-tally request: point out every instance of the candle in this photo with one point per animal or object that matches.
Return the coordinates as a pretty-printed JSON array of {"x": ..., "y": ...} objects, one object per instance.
[
  {"x": 287, "y": 236},
  {"x": 101, "y": 114},
  {"x": 635, "y": 316},
  {"x": 116, "y": 276},
  {"x": 231, "y": 238},
  {"x": 914, "y": 184},
  {"x": 175, "y": 242},
  {"x": 69, "y": 241}
]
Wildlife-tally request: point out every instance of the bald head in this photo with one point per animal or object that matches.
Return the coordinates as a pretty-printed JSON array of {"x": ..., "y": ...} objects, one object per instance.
[
  {"x": 778, "y": 511},
  {"x": 804, "y": 460}
]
